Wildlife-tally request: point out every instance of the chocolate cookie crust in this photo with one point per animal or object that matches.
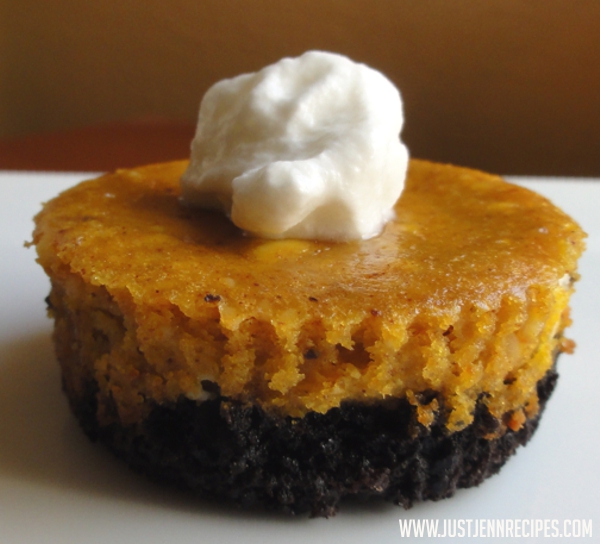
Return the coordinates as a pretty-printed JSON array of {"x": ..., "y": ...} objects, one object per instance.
[{"x": 307, "y": 465}]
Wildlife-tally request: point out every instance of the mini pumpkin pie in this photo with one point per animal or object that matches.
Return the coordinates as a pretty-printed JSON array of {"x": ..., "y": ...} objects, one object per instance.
[{"x": 289, "y": 373}]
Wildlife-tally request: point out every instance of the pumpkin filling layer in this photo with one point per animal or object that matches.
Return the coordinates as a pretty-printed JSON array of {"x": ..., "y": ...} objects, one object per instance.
[{"x": 465, "y": 294}]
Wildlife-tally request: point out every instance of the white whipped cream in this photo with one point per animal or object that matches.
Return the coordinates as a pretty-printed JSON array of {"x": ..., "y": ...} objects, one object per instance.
[{"x": 308, "y": 147}]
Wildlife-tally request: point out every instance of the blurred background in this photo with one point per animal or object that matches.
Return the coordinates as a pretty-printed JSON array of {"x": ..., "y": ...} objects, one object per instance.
[{"x": 509, "y": 86}]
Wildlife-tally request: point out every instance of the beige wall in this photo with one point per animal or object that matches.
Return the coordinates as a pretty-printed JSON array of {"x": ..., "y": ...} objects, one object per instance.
[{"x": 506, "y": 85}]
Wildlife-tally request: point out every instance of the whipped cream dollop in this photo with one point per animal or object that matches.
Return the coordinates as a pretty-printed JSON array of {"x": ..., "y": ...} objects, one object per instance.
[{"x": 308, "y": 147}]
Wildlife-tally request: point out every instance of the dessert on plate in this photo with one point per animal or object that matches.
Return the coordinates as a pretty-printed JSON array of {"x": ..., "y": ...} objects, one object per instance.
[{"x": 279, "y": 369}]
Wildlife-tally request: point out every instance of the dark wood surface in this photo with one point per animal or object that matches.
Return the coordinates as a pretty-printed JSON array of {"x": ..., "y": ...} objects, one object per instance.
[{"x": 98, "y": 148}]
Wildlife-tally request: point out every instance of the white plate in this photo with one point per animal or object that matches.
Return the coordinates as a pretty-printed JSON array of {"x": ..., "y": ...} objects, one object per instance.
[{"x": 57, "y": 487}]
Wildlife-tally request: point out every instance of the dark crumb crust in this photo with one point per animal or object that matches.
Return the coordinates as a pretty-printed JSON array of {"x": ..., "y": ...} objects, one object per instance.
[{"x": 240, "y": 453}]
